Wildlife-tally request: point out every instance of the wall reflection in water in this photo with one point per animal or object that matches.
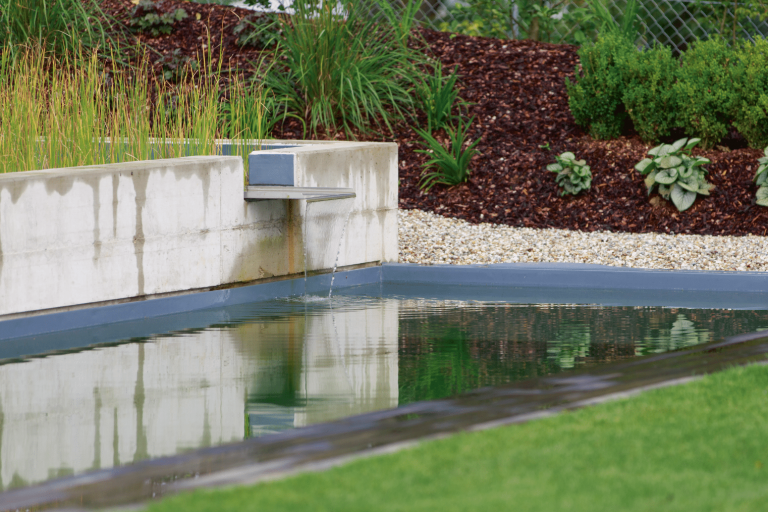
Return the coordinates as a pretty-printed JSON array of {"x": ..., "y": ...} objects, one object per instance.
[{"x": 100, "y": 408}]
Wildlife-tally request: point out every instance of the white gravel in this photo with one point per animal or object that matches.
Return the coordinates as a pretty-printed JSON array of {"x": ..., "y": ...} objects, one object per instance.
[{"x": 431, "y": 239}]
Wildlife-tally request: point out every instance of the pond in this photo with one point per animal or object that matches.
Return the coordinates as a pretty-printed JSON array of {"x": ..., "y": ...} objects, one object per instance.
[{"x": 267, "y": 367}]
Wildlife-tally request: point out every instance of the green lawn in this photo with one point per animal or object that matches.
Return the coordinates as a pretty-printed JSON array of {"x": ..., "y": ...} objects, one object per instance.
[{"x": 700, "y": 446}]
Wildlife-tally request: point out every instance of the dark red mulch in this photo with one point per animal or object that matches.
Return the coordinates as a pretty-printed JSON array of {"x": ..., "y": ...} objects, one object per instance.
[{"x": 520, "y": 103}]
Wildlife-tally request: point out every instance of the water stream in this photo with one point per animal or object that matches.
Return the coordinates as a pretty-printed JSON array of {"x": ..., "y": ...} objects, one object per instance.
[{"x": 325, "y": 223}]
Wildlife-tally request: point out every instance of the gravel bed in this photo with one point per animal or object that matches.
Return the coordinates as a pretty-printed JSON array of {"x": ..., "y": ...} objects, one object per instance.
[{"x": 431, "y": 239}]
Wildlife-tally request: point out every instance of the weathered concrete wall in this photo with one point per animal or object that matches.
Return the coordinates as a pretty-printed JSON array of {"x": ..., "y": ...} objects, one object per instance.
[{"x": 93, "y": 234}]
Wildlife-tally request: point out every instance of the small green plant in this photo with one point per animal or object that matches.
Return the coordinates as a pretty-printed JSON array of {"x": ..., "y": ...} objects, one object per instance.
[
  {"x": 596, "y": 96},
  {"x": 437, "y": 96},
  {"x": 573, "y": 176},
  {"x": 148, "y": 17},
  {"x": 175, "y": 65},
  {"x": 679, "y": 176},
  {"x": 761, "y": 179},
  {"x": 261, "y": 30},
  {"x": 447, "y": 166}
]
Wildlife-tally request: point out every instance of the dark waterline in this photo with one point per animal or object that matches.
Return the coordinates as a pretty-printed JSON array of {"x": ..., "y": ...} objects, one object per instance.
[{"x": 269, "y": 367}]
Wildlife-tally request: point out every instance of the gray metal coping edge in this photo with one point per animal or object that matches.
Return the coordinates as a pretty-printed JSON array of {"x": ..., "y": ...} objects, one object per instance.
[
  {"x": 519, "y": 275},
  {"x": 576, "y": 275}
]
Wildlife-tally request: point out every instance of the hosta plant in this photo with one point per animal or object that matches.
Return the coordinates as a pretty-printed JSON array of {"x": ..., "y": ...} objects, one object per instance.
[
  {"x": 679, "y": 176},
  {"x": 761, "y": 179},
  {"x": 573, "y": 175}
]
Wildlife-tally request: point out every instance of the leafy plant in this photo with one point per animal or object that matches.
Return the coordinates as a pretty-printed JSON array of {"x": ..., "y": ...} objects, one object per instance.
[
  {"x": 596, "y": 96},
  {"x": 343, "y": 69},
  {"x": 437, "y": 96},
  {"x": 447, "y": 166},
  {"x": 705, "y": 90},
  {"x": 175, "y": 65},
  {"x": 147, "y": 16},
  {"x": 649, "y": 97},
  {"x": 679, "y": 176},
  {"x": 761, "y": 179},
  {"x": 573, "y": 176},
  {"x": 260, "y": 30}
]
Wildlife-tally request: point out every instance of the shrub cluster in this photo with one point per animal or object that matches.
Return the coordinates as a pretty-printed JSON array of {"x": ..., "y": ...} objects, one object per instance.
[{"x": 710, "y": 88}]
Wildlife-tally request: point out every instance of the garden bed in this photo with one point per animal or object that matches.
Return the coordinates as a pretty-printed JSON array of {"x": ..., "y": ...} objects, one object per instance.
[{"x": 520, "y": 104}]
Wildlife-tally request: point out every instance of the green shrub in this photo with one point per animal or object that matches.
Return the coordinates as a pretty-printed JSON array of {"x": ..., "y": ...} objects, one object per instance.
[
  {"x": 750, "y": 83},
  {"x": 573, "y": 175},
  {"x": 761, "y": 179},
  {"x": 649, "y": 97},
  {"x": 447, "y": 166},
  {"x": 343, "y": 69},
  {"x": 596, "y": 96},
  {"x": 147, "y": 16},
  {"x": 704, "y": 90},
  {"x": 679, "y": 176}
]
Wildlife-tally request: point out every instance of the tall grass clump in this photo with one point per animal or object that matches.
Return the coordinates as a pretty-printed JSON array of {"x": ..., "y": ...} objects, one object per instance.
[
  {"x": 67, "y": 115},
  {"x": 62, "y": 26},
  {"x": 338, "y": 68}
]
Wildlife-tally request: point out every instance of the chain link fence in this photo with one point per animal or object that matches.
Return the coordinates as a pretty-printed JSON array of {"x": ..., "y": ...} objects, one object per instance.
[{"x": 675, "y": 23}]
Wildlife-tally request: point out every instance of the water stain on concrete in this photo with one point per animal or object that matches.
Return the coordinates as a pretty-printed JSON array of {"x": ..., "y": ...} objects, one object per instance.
[
  {"x": 94, "y": 183},
  {"x": 115, "y": 186},
  {"x": 140, "y": 180},
  {"x": 60, "y": 184}
]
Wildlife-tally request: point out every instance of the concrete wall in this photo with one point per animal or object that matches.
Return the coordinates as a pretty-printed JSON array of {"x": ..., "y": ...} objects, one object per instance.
[
  {"x": 102, "y": 233},
  {"x": 175, "y": 393}
]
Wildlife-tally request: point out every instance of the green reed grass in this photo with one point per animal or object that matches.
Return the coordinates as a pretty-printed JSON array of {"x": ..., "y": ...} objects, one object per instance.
[
  {"x": 57, "y": 114},
  {"x": 338, "y": 67},
  {"x": 63, "y": 26}
]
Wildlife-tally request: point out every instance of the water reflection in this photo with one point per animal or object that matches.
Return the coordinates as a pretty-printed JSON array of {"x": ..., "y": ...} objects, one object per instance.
[{"x": 288, "y": 364}]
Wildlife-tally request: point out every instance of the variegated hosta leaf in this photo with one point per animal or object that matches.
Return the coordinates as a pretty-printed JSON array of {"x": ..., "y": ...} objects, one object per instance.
[
  {"x": 691, "y": 143},
  {"x": 645, "y": 165},
  {"x": 762, "y": 196},
  {"x": 765, "y": 151},
  {"x": 670, "y": 161},
  {"x": 568, "y": 156},
  {"x": 763, "y": 159},
  {"x": 687, "y": 185},
  {"x": 664, "y": 191},
  {"x": 655, "y": 151},
  {"x": 580, "y": 163},
  {"x": 684, "y": 171},
  {"x": 761, "y": 178},
  {"x": 554, "y": 167},
  {"x": 702, "y": 161},
  {"x": 650, "y": 180},
  {"x": 682, "y": 199},
  {"x": 666, "y": 176},
  {"x": 677, "y": 145},
  {"x": 664, "y": 150}
]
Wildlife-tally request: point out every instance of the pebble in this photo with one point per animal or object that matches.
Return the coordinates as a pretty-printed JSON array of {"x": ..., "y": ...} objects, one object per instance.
[{"x": 431, "y": 239}]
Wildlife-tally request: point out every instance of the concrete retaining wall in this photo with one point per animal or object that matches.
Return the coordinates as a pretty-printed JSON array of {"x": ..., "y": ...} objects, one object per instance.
[{"x": 96, "y": 234}]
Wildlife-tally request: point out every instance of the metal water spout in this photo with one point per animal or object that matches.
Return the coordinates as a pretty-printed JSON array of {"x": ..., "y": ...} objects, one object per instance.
[{"x": 272, "y": 175}]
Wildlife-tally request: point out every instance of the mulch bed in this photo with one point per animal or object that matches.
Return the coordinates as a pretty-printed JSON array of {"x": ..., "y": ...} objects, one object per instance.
[{"x": 519, "y": 102}]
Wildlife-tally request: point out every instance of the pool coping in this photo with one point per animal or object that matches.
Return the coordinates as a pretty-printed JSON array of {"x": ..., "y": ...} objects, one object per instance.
[{"x": 598, "y": 283}]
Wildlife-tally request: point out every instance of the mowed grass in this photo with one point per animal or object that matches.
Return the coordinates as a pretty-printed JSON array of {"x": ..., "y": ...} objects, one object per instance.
[{"x": 696, "y": 447}]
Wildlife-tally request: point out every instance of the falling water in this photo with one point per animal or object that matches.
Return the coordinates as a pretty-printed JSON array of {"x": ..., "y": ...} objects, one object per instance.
[
  {"x": 325, "y": 223},
  {"x": 338, "y": 252}
]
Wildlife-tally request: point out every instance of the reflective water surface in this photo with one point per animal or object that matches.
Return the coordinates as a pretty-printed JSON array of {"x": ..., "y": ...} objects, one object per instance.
[{"x": 268, "y": 367}]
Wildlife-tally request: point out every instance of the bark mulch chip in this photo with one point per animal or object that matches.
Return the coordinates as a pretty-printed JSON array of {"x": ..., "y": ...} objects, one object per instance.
[{"x": 518, "y": 98}]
